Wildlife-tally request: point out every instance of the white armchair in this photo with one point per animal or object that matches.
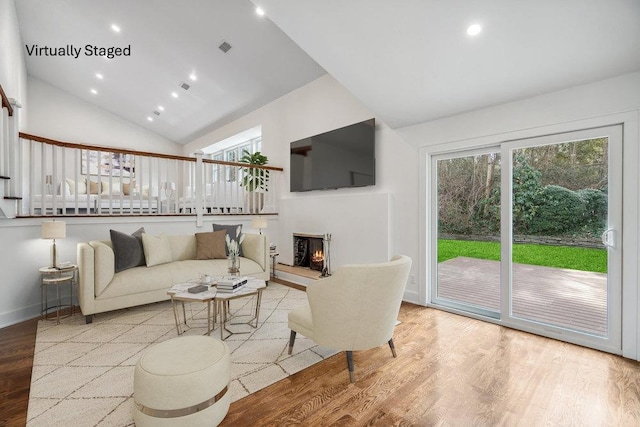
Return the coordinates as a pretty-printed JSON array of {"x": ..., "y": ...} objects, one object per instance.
[{"x": 355, "y": 309}]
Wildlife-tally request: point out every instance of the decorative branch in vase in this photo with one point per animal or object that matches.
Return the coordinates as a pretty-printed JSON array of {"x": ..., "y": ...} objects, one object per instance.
[{"x": 234, "y": 251}]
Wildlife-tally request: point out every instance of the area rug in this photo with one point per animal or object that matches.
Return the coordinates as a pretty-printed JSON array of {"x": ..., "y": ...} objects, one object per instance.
[{"x": 83, "y": 374}]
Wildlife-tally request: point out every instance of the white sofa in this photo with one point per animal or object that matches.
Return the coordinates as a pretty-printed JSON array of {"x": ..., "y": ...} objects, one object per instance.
[{"x": 100, "y": 289}]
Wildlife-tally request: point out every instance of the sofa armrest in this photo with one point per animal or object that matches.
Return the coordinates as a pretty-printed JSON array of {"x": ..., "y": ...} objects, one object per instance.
[
  {"x": 86, "y": 274},
  {"x": 96, "y": 268},
  {"x": 256, "y": 248}
]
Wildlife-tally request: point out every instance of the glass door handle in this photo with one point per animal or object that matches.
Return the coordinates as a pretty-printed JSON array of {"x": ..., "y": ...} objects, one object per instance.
[{"x": 609, "y": 238}]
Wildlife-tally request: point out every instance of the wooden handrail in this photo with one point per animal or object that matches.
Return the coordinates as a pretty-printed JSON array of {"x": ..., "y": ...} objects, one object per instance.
[
  {"x": 135, "y": 152},
  {"x": 5, "y": 101}
]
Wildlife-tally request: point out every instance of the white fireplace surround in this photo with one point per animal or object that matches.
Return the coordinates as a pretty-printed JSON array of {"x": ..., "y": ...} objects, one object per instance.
[{"x": 359, "y": 226}]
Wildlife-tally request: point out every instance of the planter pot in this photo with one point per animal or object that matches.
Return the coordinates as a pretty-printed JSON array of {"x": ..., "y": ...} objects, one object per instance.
[{"x": 254, "y": 202}]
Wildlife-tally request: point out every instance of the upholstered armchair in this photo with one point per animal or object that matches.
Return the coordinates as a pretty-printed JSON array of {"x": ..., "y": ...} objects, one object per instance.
[{"x": 355, "y": 309}]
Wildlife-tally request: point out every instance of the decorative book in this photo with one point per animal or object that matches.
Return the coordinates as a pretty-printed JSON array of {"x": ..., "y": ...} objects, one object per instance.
[{"x": 197, "y": 289}]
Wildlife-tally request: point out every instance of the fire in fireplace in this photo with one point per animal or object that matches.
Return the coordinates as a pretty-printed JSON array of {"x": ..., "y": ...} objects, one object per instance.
[{"x": 308, "y": 251}]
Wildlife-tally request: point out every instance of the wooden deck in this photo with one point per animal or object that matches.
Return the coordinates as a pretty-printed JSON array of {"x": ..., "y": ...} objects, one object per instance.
[{"x": 567, "y": 298}]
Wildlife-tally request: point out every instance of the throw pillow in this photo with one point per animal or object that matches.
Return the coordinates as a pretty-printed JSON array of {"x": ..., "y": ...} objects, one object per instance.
[
  {"x": 94, "y": 187},
  {"x": 127, "y": 188},
  {"x": 211, "y": 245},
  {"x": 128, "y": 249},
  {"x": 234, "y": 232},
  {"x": 114, "y": 188},
  {"x": 81, "y": 186},
  {"x": 157, "y": 250}
]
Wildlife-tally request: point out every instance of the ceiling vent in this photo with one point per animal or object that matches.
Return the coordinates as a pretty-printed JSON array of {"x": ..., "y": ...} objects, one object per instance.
[
  {"x": 184, "y": 86},
  {"x": 225, "y": 47},
  {"x": 156, "y": 112}
]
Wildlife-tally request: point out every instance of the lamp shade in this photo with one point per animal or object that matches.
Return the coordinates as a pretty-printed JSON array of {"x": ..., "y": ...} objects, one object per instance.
[
  {"x": 54, "y": 230},
  {"x": 259, "y": 223}
]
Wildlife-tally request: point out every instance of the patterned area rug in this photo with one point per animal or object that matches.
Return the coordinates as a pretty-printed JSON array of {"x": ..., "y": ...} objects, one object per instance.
[{"x": 83, "y": 374}]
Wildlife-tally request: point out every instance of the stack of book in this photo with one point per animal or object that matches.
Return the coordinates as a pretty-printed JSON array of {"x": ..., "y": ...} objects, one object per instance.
[{"x": 230, "y": 284}]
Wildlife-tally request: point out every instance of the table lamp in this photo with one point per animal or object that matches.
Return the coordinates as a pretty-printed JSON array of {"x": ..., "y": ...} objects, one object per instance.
[
  {"x": 54, "y": 230},
  {"x": 259, "y": 223}
]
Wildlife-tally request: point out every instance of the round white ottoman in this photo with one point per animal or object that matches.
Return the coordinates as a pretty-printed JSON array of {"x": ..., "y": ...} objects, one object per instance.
[{"x": 183, "y": 381}]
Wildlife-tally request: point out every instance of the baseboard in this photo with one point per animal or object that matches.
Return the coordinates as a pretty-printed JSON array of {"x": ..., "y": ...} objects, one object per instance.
[{"x": 20, "y": 315}]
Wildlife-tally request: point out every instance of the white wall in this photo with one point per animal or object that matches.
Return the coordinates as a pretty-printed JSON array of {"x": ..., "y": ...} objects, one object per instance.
[
  {"x": 603, "y": 103},
  {"x": 13, "y": 71},
  {"x": 317, "y": 107},
  {"x": 59, "y": 115}
]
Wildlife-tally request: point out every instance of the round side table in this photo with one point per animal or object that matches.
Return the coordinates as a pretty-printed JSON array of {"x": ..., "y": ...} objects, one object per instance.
[{"x": 57, "y": 276}]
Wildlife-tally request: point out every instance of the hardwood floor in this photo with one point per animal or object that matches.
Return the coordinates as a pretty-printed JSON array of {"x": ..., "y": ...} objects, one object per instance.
[
  {"x": 16, "y": 359},
  {"x": 450, "y": 370}
]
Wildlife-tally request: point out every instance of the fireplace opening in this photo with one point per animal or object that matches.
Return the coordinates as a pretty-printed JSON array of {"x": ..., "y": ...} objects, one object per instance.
[{"x": 308, "y": 251}]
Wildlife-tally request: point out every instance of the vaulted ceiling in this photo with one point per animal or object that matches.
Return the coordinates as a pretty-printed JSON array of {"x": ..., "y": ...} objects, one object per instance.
[
  {"x": 170, "y": 40},
  {"x": 411, "y": 61},
  {"x": 408, "y": 61}
]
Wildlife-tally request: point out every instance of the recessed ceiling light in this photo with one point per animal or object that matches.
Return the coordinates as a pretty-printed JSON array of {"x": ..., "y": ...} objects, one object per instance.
[
  {"x": 160, "y": 107},
  {"x": 260, "y": 11},
  {"x": 193, "y": 77},
  {"x": 93, "y": 91},
  {"x": 149, "y": 118},
  {"x": 115, "y": 28},
  {"x": 175, "y": 95},
  {"x": 99, "y": 76},
  {"x": 474, "y": 29}
]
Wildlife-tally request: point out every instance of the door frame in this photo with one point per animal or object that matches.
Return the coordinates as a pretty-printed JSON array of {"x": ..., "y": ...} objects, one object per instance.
[{"x": 443, "y": 143}]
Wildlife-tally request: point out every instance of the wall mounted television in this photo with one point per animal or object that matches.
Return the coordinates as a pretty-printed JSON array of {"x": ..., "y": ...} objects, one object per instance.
[{"x": 340, "y": 158}]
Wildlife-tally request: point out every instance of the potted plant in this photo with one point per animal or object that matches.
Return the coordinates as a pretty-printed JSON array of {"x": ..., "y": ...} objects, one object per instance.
[{"x": 254, "y": 180}]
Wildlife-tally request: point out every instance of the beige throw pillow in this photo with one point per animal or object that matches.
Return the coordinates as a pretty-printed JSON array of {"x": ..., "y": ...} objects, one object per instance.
[
  {"x": 81, "y": 186},
  {"x": 94, "y": 187},
  {"x": 113, "y": 188},
  {"x": 157, "y": 250},
  {"x": 211, "y": 245}
]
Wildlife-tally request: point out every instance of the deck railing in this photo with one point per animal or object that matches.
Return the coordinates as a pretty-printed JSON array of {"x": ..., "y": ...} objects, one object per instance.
[{"x": 63, "y": 179}]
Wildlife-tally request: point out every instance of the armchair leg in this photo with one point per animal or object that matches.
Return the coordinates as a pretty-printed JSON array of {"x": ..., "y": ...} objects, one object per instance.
[
  {"x": 292, "y": 339},
  {"x": 352, "y": 377},
  {"x": 392, "y": 347}
]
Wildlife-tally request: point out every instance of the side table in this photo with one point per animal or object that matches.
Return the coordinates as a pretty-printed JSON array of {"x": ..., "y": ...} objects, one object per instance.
[
  {"x": 57, "y": 276},
  {"x": 273, "y": 255}
]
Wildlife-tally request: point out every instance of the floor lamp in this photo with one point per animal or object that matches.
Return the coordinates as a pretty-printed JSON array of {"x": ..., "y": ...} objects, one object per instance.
[{"x": 54, "y": 230}]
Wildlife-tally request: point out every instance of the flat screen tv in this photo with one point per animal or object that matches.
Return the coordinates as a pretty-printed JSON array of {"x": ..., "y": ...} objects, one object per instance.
[{"x": 339, "y": 158}]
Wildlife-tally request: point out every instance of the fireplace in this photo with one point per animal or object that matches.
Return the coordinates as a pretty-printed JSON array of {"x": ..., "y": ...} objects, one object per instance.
[{"x": 310, "y": 250}]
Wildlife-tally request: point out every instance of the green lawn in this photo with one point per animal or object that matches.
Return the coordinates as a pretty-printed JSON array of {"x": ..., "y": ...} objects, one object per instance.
[{"x": 584, "y": 259}]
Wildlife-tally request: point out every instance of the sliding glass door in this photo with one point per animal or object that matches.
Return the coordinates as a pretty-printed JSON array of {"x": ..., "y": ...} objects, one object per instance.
[
  {"x": 530, "y": 233},
  {"x": 467, "y": 212}
]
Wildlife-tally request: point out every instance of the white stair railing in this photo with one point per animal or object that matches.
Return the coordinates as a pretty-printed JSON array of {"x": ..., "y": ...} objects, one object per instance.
[{"x": 72, "y": 179}]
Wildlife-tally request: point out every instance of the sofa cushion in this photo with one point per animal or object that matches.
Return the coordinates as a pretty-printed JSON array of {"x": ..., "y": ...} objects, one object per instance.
[
  {"x": 182, "y": 247},
  {"x": 128, "y": 249},
  {"x": 234, "y": 232},
  {"x": 157, "y": 250},
  {"x": 211, "y": 245}
]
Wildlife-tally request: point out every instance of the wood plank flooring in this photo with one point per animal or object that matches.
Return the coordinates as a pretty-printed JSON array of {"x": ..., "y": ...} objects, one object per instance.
[
  {"x": 450, "y": 370},
  {"x": 16, "y": 360}
]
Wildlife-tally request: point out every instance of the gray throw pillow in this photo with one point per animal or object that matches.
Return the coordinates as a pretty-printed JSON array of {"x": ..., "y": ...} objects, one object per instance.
[
  {"x": 231, "y": 231},
  {"x": 128, "y": 249}
]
